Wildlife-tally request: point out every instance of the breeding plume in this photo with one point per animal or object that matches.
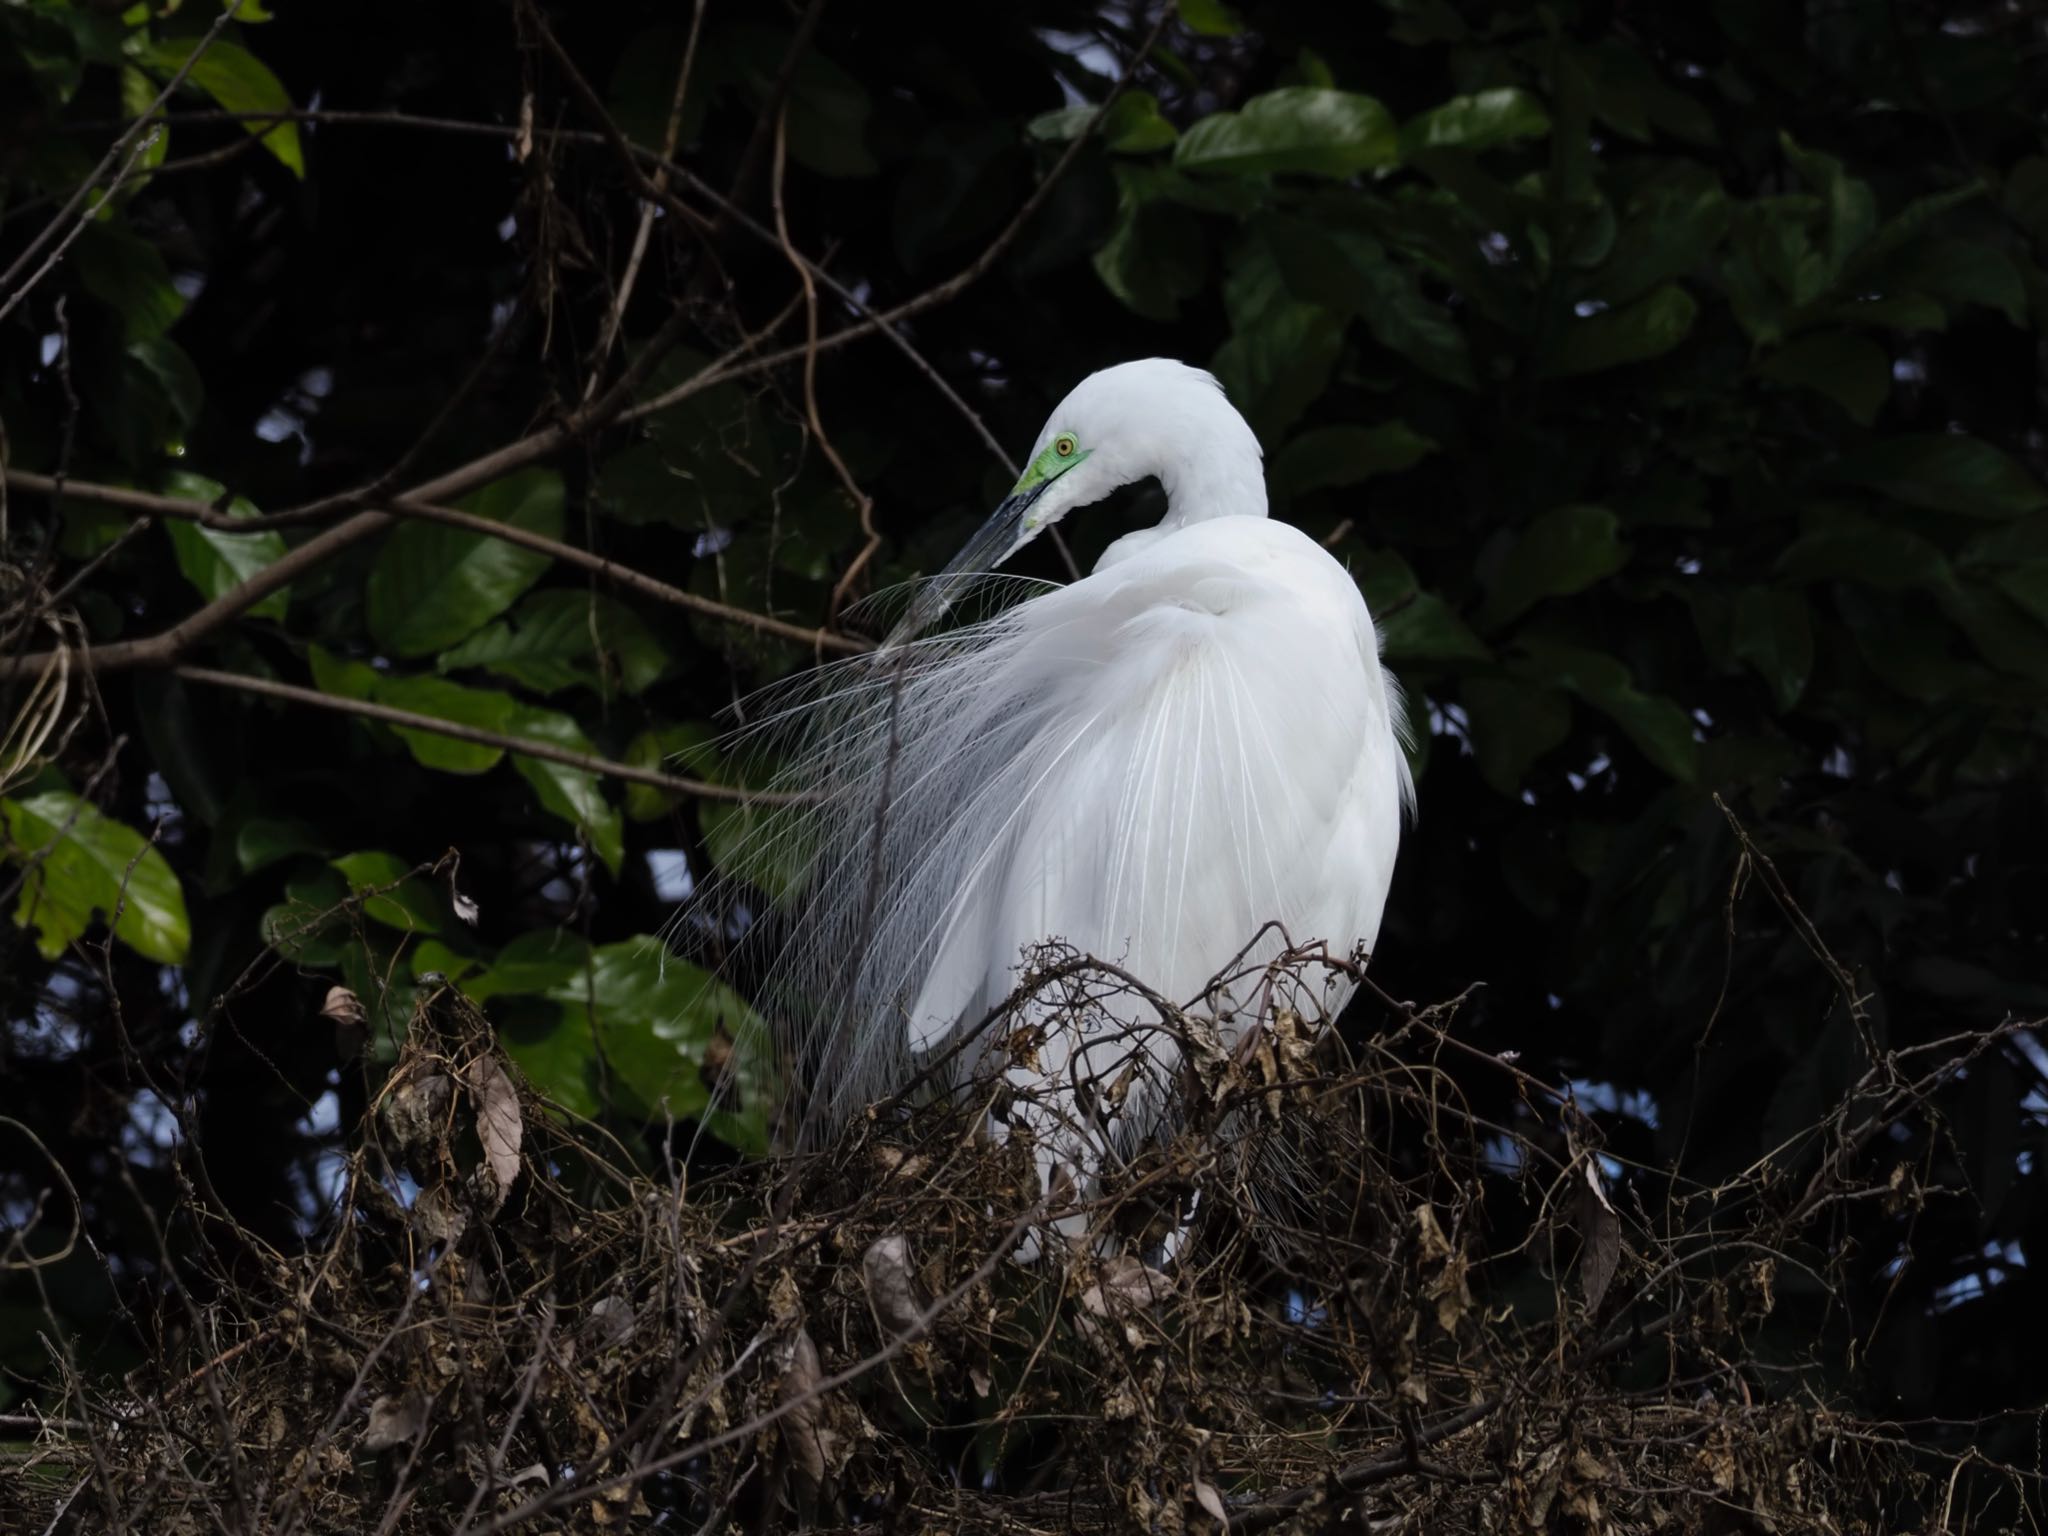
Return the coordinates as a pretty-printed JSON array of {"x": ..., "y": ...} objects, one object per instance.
[{"x": 1149, "y": 766}]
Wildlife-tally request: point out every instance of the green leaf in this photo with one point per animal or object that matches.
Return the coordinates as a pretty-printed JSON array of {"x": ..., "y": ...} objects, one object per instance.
[
  {"x": 1669, "y": 226},
  {"x": 1276, "y": 366},
  {"x": 305, "y": 926},
  {"x": 1851, "y": 370},
  {"x": 1156, "y": 256},
  {"x": 1134, "y": 125},
  {"x": 828, "y": 117},
  {"x": 684, "y": 748},
  {"x": 214, "y": 561},
  {"x": 1209, "y": 18},
  {"x": 1851, "y": 207},
  {"x": 1387, "y": 294},
  {"x": 1632, "y": 97},
  {"x": 541, "y": 963},
  {"x": 2027, "y": 585},
  {"x": 1345, "y": 455},
  {"x": 431, "y": 955},
  {"x": 1648, "y": 328},
  {"x": 79, "y": 865},
  {"x": 1414, "y": 625},
  {"x": 2001, "y": 633},
  {"x": 138, "y": 95},
  {"x": 1476, "y": 122},
  {"x": 237, "y": 81},
  {"x": 1904, "y": 312},
  {"x": 1866, "y": 553},
  {"x": 1946, "y": 472},
  {"x": 552, "y": 640},
  {"x": 1301, "y": 130},
  {"x": 128, "y": 276},
  {"x": 1565, "y": 550},
  {"x": 570, "y": 793},
  {"x": 342, "y": 678},
  {"x": 656, "y": 1019},
  {"x": 2026, "y": 196},
  {"x": 433, "y": 585},
  {"x": 484, "y": 708},
  {"x": 1956, "y": 274},
  {"x": 262, "y": 841},
  {"x": 1513, "y": 725},
  {"x": 162, "y": 366},
  {"x": 1774, "y": 634},
  {"x": 1662, "y": 731},
  {"x": 403, "y": 901}
]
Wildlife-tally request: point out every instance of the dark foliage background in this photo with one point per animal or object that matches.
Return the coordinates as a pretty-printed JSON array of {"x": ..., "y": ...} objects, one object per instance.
[{"x": 1670, "y": 376}]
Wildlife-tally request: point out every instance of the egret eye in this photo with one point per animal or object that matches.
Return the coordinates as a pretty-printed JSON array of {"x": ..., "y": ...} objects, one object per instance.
[{"x": 1063, "y": 445}]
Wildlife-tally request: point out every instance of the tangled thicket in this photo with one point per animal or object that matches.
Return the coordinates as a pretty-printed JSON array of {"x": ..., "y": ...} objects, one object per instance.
[{"x": 507, "y": 1327}]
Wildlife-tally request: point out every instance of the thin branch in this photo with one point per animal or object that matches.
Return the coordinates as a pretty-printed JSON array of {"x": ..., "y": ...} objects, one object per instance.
[
  {"x": 149, "y": 505},
  {"x": 130, "y": 145},
  {"x": 524, "y": 746},
  {"x": 168, "y": 645},
  {"x": 616, "y": 315},
  {"x": 863, "y": 503}
]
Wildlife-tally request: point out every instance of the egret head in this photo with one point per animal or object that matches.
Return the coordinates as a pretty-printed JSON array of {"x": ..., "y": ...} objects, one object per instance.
[{"x": 1139, "y": 420}]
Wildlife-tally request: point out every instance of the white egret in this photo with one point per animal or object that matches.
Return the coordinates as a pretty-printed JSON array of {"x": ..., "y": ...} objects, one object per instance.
[{"x": 1150, "y": 765}]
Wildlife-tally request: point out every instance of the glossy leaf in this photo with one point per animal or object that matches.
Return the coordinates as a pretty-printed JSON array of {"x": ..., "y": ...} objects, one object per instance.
[
  {"x": 1565, "y": 550},
  {"x": 392, "y": 894},
  {"x": 1345, "y": 455},
  {"x": 1648, "y": 328},
  {"x": 1774, "y": 634},
  {"x": 1513, "y": 727},
  {"x": 1134, "y": 124},
  {"x": 1480, "y": 121},
  {"x": 1664, "y": 733},
  {"x": 214, "y": 560},
  {"x": 569, "y": 793},
  {"x": 1209, "y": 18},
  {"x": 237, "y": 81},
  {"x": 483, "y": 708},
  {"x": 79, "y": 867},
  {"x": 1300, "y": 129},
  {"x": 1946, "y": 472},
  {"x": 1851, "y": 370},
  {"x": 433, "y": 585},
  {"x": 563, "y": 638}
]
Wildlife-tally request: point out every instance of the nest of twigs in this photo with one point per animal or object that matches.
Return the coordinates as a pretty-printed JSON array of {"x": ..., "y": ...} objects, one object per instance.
[{"x": 509, "y": 1328}]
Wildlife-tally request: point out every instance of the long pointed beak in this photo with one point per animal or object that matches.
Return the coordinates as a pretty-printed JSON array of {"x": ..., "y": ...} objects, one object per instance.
[{"x": 993, "y": 543}]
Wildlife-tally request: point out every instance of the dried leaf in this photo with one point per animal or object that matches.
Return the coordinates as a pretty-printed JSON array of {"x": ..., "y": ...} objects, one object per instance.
[
  {"x": 416, "y": 1110},
  {"x": 395, "y": 1420},
  {"x": 498, "y": 1124},
  {"x": 1212, "y": 1501},
  {"x": 810, "y": 1443},
  {"x": 465, "y": 909},
  {"x": 892, "y": 1286},
  {"x": 1125, "y": 1282},
  {"x": 1601, "y": 1229},
  {"x": 1431, "y": 1245},
  {"x": 611, "y": 1323},
  {"x": 344, "y": 1007},
  {"x": 438, "y": 1215},
  {"x": 351, "y": 1023}
]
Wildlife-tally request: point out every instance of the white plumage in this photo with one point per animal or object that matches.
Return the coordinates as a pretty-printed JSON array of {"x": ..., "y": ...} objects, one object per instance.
[{"x": 1148, "y": 765}]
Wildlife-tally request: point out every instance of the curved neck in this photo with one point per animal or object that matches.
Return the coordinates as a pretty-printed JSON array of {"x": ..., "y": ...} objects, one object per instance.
[{"x": 1213, "y": 479}]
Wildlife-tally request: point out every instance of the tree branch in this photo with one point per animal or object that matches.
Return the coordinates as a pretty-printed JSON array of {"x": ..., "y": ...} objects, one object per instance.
[
  {"x": 146, "y": 504},
  {"x": 165, "y": 648},
  {"x": 524, "y": 746},
  {"x": 130, "y": 144}
]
